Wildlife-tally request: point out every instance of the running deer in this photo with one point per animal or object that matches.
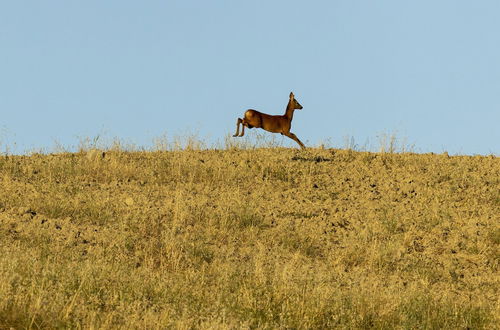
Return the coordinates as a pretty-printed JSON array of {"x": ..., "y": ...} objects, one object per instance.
[{"x": 273, "y": 124}]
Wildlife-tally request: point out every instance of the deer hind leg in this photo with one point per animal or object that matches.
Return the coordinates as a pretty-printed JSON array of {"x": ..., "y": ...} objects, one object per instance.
[
  {"x": 243, "y": 124},
  {"x": 295, "y": 138},
  {"x": 238, "y": 122}
]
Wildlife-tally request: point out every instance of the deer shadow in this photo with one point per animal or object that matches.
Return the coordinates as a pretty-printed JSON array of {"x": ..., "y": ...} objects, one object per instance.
[{"x": 316, "y": 159}]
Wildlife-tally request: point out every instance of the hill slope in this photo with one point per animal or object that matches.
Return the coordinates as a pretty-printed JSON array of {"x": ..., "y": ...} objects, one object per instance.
[{"x": 259, "y": 238}]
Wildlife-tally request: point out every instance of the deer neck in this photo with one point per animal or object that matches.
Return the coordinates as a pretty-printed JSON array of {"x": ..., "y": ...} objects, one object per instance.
[{"x": 289, "y": 111}]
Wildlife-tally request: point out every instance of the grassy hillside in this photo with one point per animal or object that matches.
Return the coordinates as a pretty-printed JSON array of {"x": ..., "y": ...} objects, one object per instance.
[{"x": 249, "y": 238}]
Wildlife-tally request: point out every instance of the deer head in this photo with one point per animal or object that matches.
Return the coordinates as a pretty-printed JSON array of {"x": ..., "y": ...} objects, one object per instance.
[{"x": 295, "y": 103}]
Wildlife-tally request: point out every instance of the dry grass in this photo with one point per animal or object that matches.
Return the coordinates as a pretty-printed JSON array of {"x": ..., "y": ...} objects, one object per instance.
[{"x": 242, "y": 238}]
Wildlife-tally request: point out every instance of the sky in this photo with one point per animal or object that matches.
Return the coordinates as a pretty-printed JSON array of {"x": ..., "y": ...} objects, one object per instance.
[{"x": 427, "y": 72}]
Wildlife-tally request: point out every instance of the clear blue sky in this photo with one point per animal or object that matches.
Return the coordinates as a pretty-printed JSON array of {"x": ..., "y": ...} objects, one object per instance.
[{"x": 427, "y": 70}]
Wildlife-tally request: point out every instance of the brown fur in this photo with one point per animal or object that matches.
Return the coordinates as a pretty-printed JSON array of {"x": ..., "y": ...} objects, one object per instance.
[{"x": 274, "y": 124}]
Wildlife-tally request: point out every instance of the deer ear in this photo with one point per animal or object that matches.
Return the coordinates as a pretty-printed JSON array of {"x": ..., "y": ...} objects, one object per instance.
[{"x": 291, "y": 95}]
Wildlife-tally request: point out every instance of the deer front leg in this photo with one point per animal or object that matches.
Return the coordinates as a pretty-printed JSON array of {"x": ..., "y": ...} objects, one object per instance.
[
  {"x": 238, "y": 122},
  {"x": 295, "y": 138}
]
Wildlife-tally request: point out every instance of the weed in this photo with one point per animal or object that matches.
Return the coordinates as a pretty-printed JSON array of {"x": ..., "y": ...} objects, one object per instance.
[{"x": 254, "y": 235}]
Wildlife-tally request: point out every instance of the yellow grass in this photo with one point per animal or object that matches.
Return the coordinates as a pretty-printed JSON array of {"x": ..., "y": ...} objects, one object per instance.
[{"x": 249, "y": 238}]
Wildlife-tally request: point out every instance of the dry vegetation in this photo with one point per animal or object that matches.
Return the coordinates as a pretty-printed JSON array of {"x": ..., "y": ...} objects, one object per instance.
[{"x": 267, "y": 238}]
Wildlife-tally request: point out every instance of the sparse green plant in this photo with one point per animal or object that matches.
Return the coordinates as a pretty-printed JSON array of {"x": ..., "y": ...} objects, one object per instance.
[
  {"x": 87, "y": 143},
  {"x": 350, "y": 143},
  {"x": 391, "y": 143}
]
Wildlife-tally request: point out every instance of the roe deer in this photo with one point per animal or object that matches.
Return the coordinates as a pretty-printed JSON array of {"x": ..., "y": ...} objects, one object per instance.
[{"x": 273, "y": 124}]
